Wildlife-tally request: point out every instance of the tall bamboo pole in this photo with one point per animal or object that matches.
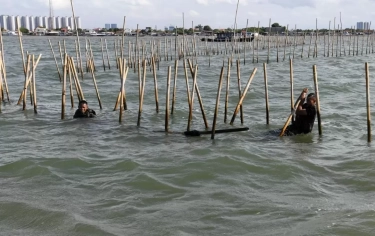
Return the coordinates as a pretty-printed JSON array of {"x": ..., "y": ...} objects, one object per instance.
[
  {"x": 174, "y": 85},
  {"x": 368, "y": 103},
  {"x": 34, "y": 84},
  {"x": 54, "y": 56},
  {"x": 79, "y": 45},
  {"x": 63, "y": 88},
  {"x": 227, "y": 91},
  {"x": 192, "y": 98},
  {"x": 167, "y": 101},
  {"x": 95, "y": 85},
  {"x": 217, "y": 103},
  {"x": 155, "y": 85},
  {"x": 266, "y": 93},
  {"x": 317, "y": 99},
  {"x": 239, "y": 87},
  {"x": 142, "y": 92}
]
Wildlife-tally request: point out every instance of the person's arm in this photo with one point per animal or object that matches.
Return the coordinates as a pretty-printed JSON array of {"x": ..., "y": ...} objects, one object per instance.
[{"x": 300, "y": 110}]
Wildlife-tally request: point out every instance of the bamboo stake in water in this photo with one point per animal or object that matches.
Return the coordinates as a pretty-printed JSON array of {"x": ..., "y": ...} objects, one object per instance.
[
  {"x": 102, "y": 46},
  {"x": 217, "y": 103},
  {"x": 24, "y": 93},
  {"x": 142, "y": 92},
  {"x": 122, "y": 38},
  {"x": 266, "y": 93},
  {"x": 21, "y": 45},
  {"x": 227, "y": 92},
  {"x": 239, "y": 87},
  {"x": 54, "y": 56},
  {"x": 174, "y": 85},
  {"x": 79, "y": 45},
  {"x": 34, "y": 84},
  {"x": 243, "y": 96},
  {"x": 63, "y": 88},
  {"x": 95, "y": 85},
  {"x": 155, "y": 85},
  {"x": 317, "y": 99},
  {"x": 368, "y": 103},
  {"x": 192, "y": 98},
  {"x": 106, "y": 49},
  {"x": 291, "y": 85},
  {"x": 167, "y": 101}
]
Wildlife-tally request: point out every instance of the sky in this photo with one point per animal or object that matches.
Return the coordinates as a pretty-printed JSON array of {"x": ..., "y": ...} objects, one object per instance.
[{"x": 301, "y": 14}]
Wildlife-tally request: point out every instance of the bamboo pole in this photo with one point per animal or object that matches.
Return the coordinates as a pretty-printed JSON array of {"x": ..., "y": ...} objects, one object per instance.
[
  {"x": 70, "y": 85},
  {"x": 54, "y": 56},
  {"x": 317, "y": 100},
  {"x": 95, "y": 85},
  {"x": 106, "y": 49},
  {"x": 266, "y": 93},
  {"x": 217, "y": 103},
  {"x": 63, "y": 88},
  {"x": 142, "y": 91},
  {"x": 3, "y": 70},
  {"x": 174, "y": 85},
  {"x": 291, "y": 114},
  {"x": 122, "y": 37},
  {"x": 187, "y": 85},
  {"x": 34, "y": 84},
  {"x": 81, "y": 96},
  {"x": 122, "y": 66},
  {"x": 155, "y": 85},
  {"x": 291, "y": 85},
  {"x": 102, "y": 46},
  {"x": 26, "y": 82},
  {"x": 75, "y": 77},
  {"x": 239, "y": 87},
  {"x": 192, "y": 98},
  {"x": 21, "y": 46},
  {"x": 227, "y": 92},
  {"x": 167, "y": 101},
  {"x": 243, "y": 96},
  {"x": 198, "y": 95},
  {"x": 368, "y": 103},
  {"x": 79, "y": 45}
]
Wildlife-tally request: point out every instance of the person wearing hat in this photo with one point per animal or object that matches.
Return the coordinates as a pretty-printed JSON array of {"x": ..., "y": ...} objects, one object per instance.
[
  {"x": 305, "y": 116},
  {"x": 83, "y": 110}
]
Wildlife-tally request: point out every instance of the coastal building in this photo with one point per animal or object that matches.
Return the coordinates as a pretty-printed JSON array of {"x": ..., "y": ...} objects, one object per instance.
[
  {"x": 366, "y": 25},
  {"x": 78, "y": 19},
  {"x": 171, "y": 28},
  {"x": 38, "y": 21},
  {"x": 71, "y": 22},
  {"x": 45, "y": 21},
  {"x": 107, "y": 26},
  {"x": 31, "y": 23},
  {"x": 11, "y": 22},
  {"x": 58, "y": 22},
  {"x": 25, "y": 23},
  {"x": 113, "y": 26},
  {"x": 4, "y": 22},
  {"x": 360, "y": 25},
  {"x": 64, "y": 22}
]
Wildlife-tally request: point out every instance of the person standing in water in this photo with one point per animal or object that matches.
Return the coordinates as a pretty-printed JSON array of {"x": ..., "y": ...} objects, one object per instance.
[
  {"x": 305, "y": 116},
  {"x": 83, "y": 110}
]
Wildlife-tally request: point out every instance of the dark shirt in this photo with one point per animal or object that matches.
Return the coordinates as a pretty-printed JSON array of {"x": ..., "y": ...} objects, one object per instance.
[
  {"x": 303, "y": 124},
  {"x": 88, "y": 114}
]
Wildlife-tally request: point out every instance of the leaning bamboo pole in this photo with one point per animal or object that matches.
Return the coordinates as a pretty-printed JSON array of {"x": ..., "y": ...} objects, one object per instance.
[
  {"x": 34, "y": 83},
  {"x": 78, "y": 43},
  {"x": 243, "y": 96},
  {"x": 266, "y": 93},
  {"x": 3, "y": 70},
  {"x": 54, "y": 56},
  {"x": 142, "y": 85},
  {"x": 155, "y": 85},
  {"x": 239, "y": 87},
  {"x": 102, "y": 47},
  {"x": 21, "y": 46},
  {"x": 217, "y": 103},
  {"x": 192, "y": 98},
  {"x": 95, "y": 85},
  {"x": 227, "y": 92}
]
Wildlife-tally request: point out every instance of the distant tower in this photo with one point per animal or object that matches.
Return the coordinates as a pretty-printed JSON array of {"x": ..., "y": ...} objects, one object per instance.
[{"x": 51, "y": 22}]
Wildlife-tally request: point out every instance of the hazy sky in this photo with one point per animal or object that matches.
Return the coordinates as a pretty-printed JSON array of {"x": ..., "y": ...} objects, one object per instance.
[{"x": 216, "y": 13}]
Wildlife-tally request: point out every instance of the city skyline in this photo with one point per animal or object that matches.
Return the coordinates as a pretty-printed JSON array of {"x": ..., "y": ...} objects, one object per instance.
[
  {"x": 216, "y": 13},
  {"x": 9, "y": 22}
]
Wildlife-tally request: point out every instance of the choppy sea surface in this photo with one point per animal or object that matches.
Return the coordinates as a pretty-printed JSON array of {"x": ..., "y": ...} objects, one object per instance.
[{"x": 101, "y": 177}]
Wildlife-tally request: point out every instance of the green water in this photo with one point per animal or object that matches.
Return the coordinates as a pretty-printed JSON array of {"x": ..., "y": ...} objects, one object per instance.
[{"x": 101, "y": 177}]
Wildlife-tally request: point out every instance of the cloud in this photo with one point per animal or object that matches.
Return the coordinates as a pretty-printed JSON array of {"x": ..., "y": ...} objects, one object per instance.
[
  {"x": 202, "y": 2},
  {"x": 57, "y": 4},
  {"x": 293, "y": 3},
  {"x": 193, "y": 13}
]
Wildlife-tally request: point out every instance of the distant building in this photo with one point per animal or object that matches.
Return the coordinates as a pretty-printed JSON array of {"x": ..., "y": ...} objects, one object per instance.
[
  {"x": 360, "y": 25},
  {"x": 64, "y": 22},
  {"x": 45, "y": 21},
  {"x": 107, "y": 26},
  {"x": 58, "y": 22},
  {"x": 31, "y": 23},
  {"x": 113, "y": 26},
  {"x": 38, "y": 21},
  {"x": 171, "y": 28},
  {"x": 78, "y": 19},
  {"x": 71, "y": 22},
  {"x": 11, "y": 21},
  {"x": 366, "y": 26},
  {"x": 274, "y": 30},
  {"x": 4, "y": 22},
  {"x": 25, "y": 23}
]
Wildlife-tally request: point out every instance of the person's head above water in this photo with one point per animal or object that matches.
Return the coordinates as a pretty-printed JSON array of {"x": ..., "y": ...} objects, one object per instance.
[
  {"x": 311, "y": 99},
  {"x": 83, "y": 106}
]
